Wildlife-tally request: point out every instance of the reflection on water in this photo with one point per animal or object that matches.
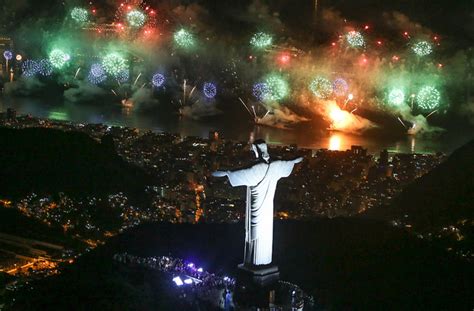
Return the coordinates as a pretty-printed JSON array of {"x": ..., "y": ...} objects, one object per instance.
[
  {"x": 339, "y": 141},
  {"x": 228, "y": 127},
  {"x": 58, "y": 115},
  {"x": 408, "y": 144}
]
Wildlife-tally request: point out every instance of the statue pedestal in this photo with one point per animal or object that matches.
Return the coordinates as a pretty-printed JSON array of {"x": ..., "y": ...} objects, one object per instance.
[
  {"x": 259, "y": 287},
  {"x": 279, "y": 295},
  {"x": 260, "y": 275}
]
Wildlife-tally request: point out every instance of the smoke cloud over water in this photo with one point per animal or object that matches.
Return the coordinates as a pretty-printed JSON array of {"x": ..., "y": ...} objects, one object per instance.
[
  {"x": 200, "y": 110},
  {"x": 282, "y": 118},
  {"x": 84, "y": 92},
  {"x": 143, "y": 99},
  {"x": 24, "y": 87}
]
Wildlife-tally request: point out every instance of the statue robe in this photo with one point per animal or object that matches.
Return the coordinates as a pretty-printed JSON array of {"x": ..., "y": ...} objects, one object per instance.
[{"x": 261, "y": 180}]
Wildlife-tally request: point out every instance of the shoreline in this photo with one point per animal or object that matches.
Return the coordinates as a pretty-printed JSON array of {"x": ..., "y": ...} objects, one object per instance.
[{"x": 68, "y": 125}]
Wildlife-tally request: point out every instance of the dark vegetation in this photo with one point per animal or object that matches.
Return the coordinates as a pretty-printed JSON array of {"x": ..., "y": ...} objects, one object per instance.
[
  {"x": 444, "y": 196},
  {"x": 14, "y": 223},
  {"x": 47, "y": 161}
]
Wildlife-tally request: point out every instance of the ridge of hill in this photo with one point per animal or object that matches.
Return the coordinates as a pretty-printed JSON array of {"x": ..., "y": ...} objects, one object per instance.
[{"x": 49, "y": 161}]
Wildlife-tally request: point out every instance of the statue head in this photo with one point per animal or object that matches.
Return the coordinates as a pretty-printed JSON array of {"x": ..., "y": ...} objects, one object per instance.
[{"x": 260, "y": 149}]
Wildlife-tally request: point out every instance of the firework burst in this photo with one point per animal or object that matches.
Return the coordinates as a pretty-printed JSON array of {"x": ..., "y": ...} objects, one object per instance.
[
  {"x": 158, "y": 79},
  {"x": 355, "y": 39},
  {"x": 428, "y": 98},
  {"x": 261, "y": 40},
  {"x": 30, "y": 68},
  {"x": 260, "y": 90},
  {"x": 114, "y": 64},
  {"x": 136, "y": 18},
  {"x": 45, "y": 68},
  {"x": 210, "y": 90},
  {"x": 278, "y": 88},
  {"x": 422, "y": 48},
  {"x": 58, "y": 58},
  {"x": 184, "y": 39},
  {"x": 396, "y": 97},
  {"x": 340, "y": 87},
  {"x": 321, "y": 87},
  {"x": 80, "y": 15}
]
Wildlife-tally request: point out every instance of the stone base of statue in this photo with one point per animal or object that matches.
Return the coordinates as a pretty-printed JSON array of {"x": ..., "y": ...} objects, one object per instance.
[
  {"x": 263, "y": 275},
  {"x": 259, "y": 287},
  {"x": 255, "y": 285}
]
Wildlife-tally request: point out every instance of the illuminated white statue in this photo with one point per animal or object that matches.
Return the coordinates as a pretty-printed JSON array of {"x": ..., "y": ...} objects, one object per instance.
[{"x": 261, "y": 180}]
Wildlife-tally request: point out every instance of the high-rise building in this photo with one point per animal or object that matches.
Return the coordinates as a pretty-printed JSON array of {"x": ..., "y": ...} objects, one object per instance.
[
  {"x": 383, "y": 161},
  {"x": 214, "y": 140},
  {"x": 11, "y": 114},
  {"x": 213, "y": 135},
  {"x": 358, "y": 150}
]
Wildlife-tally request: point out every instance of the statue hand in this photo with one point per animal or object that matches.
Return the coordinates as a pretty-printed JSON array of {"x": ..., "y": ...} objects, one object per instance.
[
  {"x": 219, "y": 174},
  {"x": 298, "y": 160}
]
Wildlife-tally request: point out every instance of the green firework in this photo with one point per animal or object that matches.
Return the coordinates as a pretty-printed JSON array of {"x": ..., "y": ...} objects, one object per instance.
[
  {"x": 428, "y": 98},
  {"x": 80, "y": 15},
  {"x": 321, "y": 87},
  {"x": 136, "y": 18},
  {"x": 184, "y": 39},
  {"x": 58, "y": 58},
  {"x": 261, "y": 40},
  {"x": 277, "y": 88},
  {"x": 422, "y": 48},
  {"x": 355, "y": 39},
  {"x": 114, "y": 64},
  {"x": 396, "y": 97}
]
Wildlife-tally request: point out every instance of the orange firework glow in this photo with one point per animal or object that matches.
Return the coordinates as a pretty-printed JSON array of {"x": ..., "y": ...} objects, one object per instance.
[
  {"x": 340, "y": 119},
  {"x": 335, "y": 142},
  {"x": 337, "y": 115},
  {"x": 343, "y": 120}
]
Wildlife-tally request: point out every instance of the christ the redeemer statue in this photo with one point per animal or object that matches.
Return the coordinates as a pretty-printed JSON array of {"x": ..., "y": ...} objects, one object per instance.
[{"x": 261, "y": 179}]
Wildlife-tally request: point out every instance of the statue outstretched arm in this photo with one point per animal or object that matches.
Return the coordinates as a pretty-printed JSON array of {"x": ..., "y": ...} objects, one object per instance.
[
  {"x": 244, "y": 177},
  {"x": 285, "y": 167},
  {"x": 297, "y": 160},
  {"x": 220, "y": 173}
]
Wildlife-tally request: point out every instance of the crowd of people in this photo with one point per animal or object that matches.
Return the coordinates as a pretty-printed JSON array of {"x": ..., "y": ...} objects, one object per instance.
[
  {"x": 186, "y": 275},
  {"x": 177, "y": 266}
]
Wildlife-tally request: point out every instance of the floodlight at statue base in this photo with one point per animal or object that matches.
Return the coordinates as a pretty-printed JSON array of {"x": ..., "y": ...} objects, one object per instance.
[{"x": 263, "y": 275}]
